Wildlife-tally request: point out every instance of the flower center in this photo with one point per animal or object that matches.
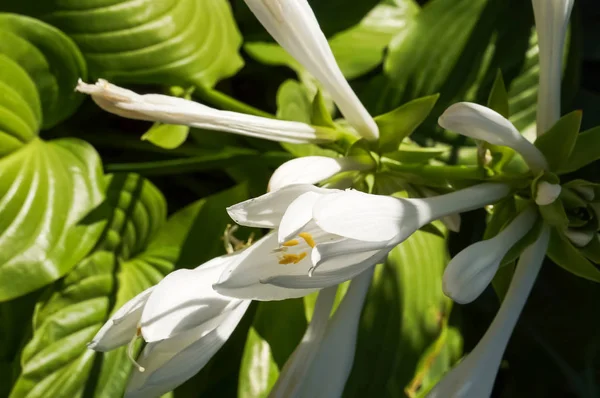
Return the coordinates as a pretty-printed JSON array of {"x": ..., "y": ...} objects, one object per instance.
[{"x": 306, "y": 241}]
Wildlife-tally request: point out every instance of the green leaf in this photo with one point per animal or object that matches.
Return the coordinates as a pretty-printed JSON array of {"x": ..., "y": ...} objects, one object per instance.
[
  {"x": 267, "y": 348},
  {"x": 50, "y": 58},
  {"x": 403, "y": 315},
  {"x": 498, "y": 99},
  {"x": 320, "y": 116},
  {"x": 45, "y": 190},
  {"x": 361, "y": 48},
  {"x": 167, "y": 136},
  {"x": 585, "y": 151},
  {"x": 20, "y": 107},
  {"x": 564, "y": 254},
  {"x": 398, "y": 124},
  {"x": 555, "y": 214},
  {"x": 557, "y": 143},
  {"x": 171, "y": 42}
]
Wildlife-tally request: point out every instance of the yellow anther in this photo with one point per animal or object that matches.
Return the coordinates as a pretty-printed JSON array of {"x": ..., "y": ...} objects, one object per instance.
[
  {"x": 289, "y": 243},
  {"x": 300, "y": 257},
  {"x": 307, "y": 238}
]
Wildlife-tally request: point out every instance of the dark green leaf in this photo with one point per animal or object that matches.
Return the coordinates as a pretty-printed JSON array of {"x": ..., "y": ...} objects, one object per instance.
[
  {"x": 557, "y": 143},
  {"x": 45, "y": 190},
  {"x": 398, "y": 124},
  {"x": 585, "y": 151},
  {"x": 498, "y": 99},
  {"x": 564, "y": 254},
  {"x": 171, "y": 42},
  {"x": 404, "y": 314},
  {"x": 50, "y": 58}
]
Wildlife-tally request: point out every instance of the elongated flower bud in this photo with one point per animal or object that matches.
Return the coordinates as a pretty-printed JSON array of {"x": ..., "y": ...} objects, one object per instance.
[
  {"x": 551, "y": 21},
  {"x": 293, "y": 25},
  {"x": 472, "y": 270},
  {"x": 481, "y": 123},
  {"x": 174, "y": 110}
]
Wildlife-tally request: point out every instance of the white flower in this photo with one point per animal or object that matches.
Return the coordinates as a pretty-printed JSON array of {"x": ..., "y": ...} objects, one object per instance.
[
  {"x": 184, "y": 322},
  {"x": 321, "y": 364},
  {"x": 174, "y": 110},
  {"x": 326, "y": 236},
  {"x": 474, "y": 376},
  {"x": 579, "y": 238},
  {"x": 547, "y": 193},
  {"x": 551, "y": 21},
  {"x": 481, "y": 123},
  {"x": 293, "y": 25},
  {"x": 471, "y": 270},
  {"x": 311, "y": 170}
]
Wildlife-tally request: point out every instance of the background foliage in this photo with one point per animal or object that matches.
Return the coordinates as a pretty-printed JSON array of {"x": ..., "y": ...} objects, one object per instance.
[{"x": 96, "y": 208}]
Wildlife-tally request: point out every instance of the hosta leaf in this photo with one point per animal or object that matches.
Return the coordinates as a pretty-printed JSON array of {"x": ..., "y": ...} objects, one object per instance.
[
  {"x": 557, "y": 143},
  {"x": 20, "y": 108},
  {"x": 56, "y": 362},
  {"x": 585, "y": 150},
  {"x": 50, "y": 58},
  {"x": 403, "y": 315},
  {"x": 171, "y": 42},
  {"x": 45, "y": 190}
]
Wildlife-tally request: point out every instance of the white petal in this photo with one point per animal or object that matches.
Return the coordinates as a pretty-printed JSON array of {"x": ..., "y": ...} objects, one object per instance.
[
  {"x": 361, "y": 216},
  {"x": 579, "y": 238},
  {"x": 173, "y": 110},
  {"x": 122, "y": 326},
  {"x": 481, "y": 123},
  {"x": 310, "y": 170},
  {"x": 472, "y": 270},
  {"x": 171, "y": 362},
  {"x": 185, "y": 299},
  {"x": 293, "y": 25},
  {"x": 246, "y": 279},
  {"x": 267, "y": 210},
  {"x": 297, "y": 215},
  {"x": 293, "y": 374},
  {"x": 474, "y": 376},
  {"x": 551, "y": 20},
  {"x": 332, "y": 365},
  {"x": 547, "y": 193}
]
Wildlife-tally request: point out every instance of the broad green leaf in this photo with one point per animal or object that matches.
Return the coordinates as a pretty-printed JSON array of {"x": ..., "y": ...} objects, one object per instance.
[
  {"x": 498, "y": 99},
  {"x": 398, "y": 124},
  {"x": 171, "y": 42},
  {"x": 50, "y": 58},
  {"x": 320, "y": 115},
  {"x": 564, "y": 254},
  {"x": 56, "y": 361},
  {"x": 167, "y": 136},
  {"x": 267, "y": 348},
  {"x": 585, "y": 151},
  {"x": 557, "y": 143},
  {"x": 45, "y": 190},
  {"x": 404, "y": 314},
  {"x": 361, "y": 48},
  {"x": 20, "y": 108}
]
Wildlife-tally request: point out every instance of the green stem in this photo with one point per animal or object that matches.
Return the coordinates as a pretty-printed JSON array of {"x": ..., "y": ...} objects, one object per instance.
[
  {"x": 437, "y": 171},
  {"x": 228, "y": 103}
]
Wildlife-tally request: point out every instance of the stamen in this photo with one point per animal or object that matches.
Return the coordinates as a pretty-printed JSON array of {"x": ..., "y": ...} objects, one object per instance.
[
  {"x": 292, "y": 242},
  {"x": 130, "y": 347},
  {"x": 307, "y": 238},
  {"x": 300, "y": 257},
  {"x": 289, "y": 258},
  {"x": 279, "y": 250}
]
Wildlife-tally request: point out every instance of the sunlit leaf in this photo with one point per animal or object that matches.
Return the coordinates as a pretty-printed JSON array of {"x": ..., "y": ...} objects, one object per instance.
[{"x": 170, "y": 42}]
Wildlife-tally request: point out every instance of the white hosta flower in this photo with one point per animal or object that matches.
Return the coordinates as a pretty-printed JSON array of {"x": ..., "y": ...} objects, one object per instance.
[
  {"x": 184, "y": 322},
  {"x": 471, "y": 270},
  {"x": 547, "y": 193},
  {"x": 474, "y": 376},
  {"x": 321, "y": 364},
  {"x": 326, "y": 236},
  {"x": 174, "y": 110},
  {"x": 551, "y": 21},
  {"x": 482, "y": 123},
  {"x": 311, "y": 170},
  {"x": 579, "y": 238},
  {"x": 293, "y": 25}
]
